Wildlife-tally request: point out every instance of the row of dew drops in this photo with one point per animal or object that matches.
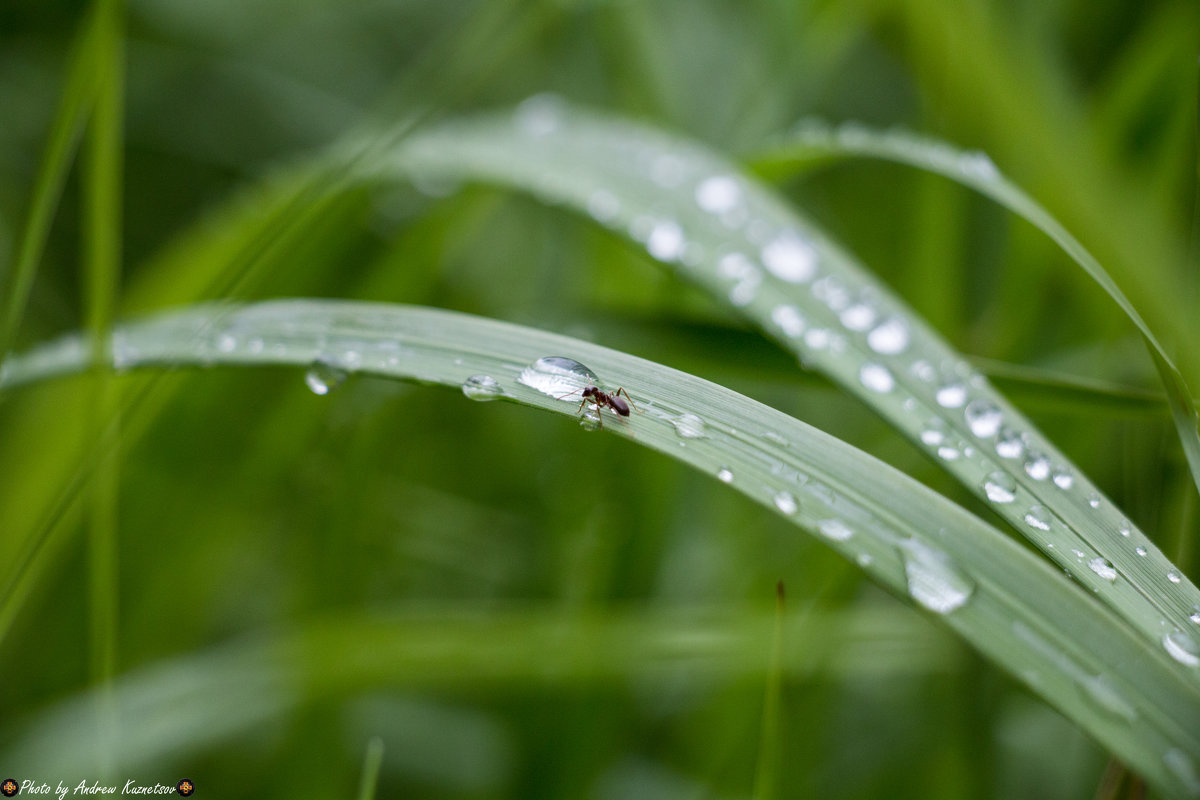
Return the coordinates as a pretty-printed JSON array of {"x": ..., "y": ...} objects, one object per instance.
[{"x": 858, "y": 319}]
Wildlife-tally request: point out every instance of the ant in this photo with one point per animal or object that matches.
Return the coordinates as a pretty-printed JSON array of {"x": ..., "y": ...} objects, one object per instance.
[{"x": 601, "y": 399}]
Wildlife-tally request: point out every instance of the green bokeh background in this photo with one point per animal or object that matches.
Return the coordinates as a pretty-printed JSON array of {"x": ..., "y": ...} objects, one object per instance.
[{"x": 250, "y": 508}]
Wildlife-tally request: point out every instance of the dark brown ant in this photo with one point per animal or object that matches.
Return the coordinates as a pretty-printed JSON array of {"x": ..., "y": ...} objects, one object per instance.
[{"x": 603, "y": 399}]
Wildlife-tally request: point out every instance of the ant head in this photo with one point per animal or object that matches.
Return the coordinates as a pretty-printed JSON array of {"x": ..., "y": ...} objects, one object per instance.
[{"x": 591, "y": 391}]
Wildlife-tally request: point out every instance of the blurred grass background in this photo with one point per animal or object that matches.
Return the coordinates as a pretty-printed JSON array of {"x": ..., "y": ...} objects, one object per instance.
[{"x": 250, "y": 509}]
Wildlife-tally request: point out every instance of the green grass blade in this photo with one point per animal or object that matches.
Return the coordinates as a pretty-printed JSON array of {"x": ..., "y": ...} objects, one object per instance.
[
  {"x": 1140, "y": 699},
  {"x": 692, "y": 209},
  {"x": 65, "y": 131},
  {"x": 815, "y": 141}
]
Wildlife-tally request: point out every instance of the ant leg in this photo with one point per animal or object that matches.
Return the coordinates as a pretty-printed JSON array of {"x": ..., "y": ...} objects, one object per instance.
[
  {"x": 621, "y": 390},
  {"x": 568, "y": 394}
]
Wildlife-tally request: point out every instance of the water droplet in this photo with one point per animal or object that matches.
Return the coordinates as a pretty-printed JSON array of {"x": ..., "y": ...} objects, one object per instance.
[
  {"x": 877, "y": 378},
  {"x": 482, "y": 387},
  {"x": 951, "y": 396},
  {"x": 1141, "y": 551},
  {"x": 603, "y": 206},
  {"x": 789, "y": 258},
  {"x": 830, "y": 291},
  {"x": 1094, "y": 502},
  {"x": 1038, "y": 517},
  {"x": 541, "y": 115},
  {"x": 557, "y": 376},
  {"x": 1098, "y": 689},
  {"x": 785, "y": 502},
  {"x": 665, "y": 241},
  {"x": 725, "y": 475},
  {"x": 858, "y": 317},
  {"x": 889, "y": 337},
  {"x": 1183, "y": 768},
  {"x": 1173, "y": 577},
  {"x": 227, "y": 343},
  {"x": 933, "y": 580},
  {"x": 816, "y": 338},
  {"x": 1037, "y": 467},
  {"x": 1182, "y": 647},
  {"x": 1195, "y": 615},
  {"x": 789, "y": 320},
  {"x": 983, "y": 418},
  {"x": 948, "y": 453},
  {"x": 923, "y": 370},
  {"x": 934, "y": 432},
  {"x": 719, "y": 194},
  {"x": 1000, "y": 487},
  {"x": 322, "y": 377},
  {"x": 689, "y": 426},
  {"x": 1102, "y": 568},
  {"x": 1009, "y": 444},
  {"x": 834, "y": 529},
  {"x": 1124, "y": 528},
  {"x": 1063, "y": 478},
  {"x": 776, "y": 438},
  {"x": 977, "y": 164}
]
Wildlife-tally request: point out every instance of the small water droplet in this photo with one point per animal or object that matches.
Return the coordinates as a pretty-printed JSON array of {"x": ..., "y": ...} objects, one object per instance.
[
  {"x": 719, "y": 194},
  {"x": 557, "y": 377},
  {"x": 725, "y": 475},
  {"x": 227, "y": 343},
  {"x": 951, "y": 396},
  {"x": 1173, "y": 577},
  {"x": 1063, "y": 478},
  {"x": 830, "y": 291},
  {"x": 889, "y": 337},
  {"x": 816, "y": 338},
  {"x": 789, "y": 320},
  {"x": 1094, "y": 502},
  {"x": 1125, "y": 528},
  {"x": 689, "y": 426},
  {"x": 322, "y": 377},
  {"x": 923, "y": 370},
  {"x": 858, "y": 317},
  {"x": 877, "y": 378},
  {"x": 789, "y": 258},
  {"x": 1182, "y": 647},
  {"x": 665, "y": 241},
  {"x": 541, "y": 115},
  {"x": 1141, "y": 551},
  {"x": 1195, "y": 615},
  {"x": 1037, "y": 467},
  {"x": 1000, "y": 487},
  {"x": 1038, "y": 517},
  {"x": 1098, "y": 689},
  {"x": 934, "y": 432},
  {"x": 834, "y": 529},
  {"x": 983, "y": 418},
  {"x": 933, "y": 580},
  {"x": 785, "y": 502},
  {"x": 482, "y": 387},
  {"x": 1009, "y": 444},
  {"x": 1102, "y": 568},
  {"x": 948, "y": 453}
]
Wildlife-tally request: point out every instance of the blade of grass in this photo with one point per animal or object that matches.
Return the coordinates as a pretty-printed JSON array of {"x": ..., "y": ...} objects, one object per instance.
[
  {"x": 692, "y": 209},
  {"x": 815, "y": 141},
  {"x": 1140, "y": 699}
]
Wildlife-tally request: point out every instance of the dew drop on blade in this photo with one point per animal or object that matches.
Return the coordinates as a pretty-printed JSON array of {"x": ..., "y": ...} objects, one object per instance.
[
  {"x": 689, "y": 426},
  {"x": 725, "y": 475},
  {"x": 322, "y": 377},
  {"x": 1000, "y": 487},
  {"x": 1102, "y": 568},
  {"x": 785, "y": 502},
  {"x": 557, "y": 376},
  {"x": 877, "y": 378},
  {"x": 482, "y": 387},
  {"x": 1182, "y": 647},
  {"x": 834, "y": 529},
  {"x": 933, "y": 580}
]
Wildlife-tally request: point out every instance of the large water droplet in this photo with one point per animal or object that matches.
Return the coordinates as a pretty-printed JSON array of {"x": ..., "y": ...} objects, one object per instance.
[
  {"x": 1038, "y": 517},
  {"x": 689, "y": 426},
  {"x": 834, "y": 529},
  {"x": 877, "y": 378},
  {"x": 1173, "y": 577},
  {"x": 718, "y": 194},
  {"x": 789, "y": 320},
  {"x": 1000, "y": 487},
  {"x": 983, "y": 418},
  {"x": 482, "y": 387},
  {"x": 933, "y": 580},
  {"x": 1102, "y": 568},
  {"x": 725, "y": 475},
  {"x": 889, "y": 337},
  {"x": 789, "y": 258},
  {"x": 951, "y": 396},
  {"x": 557, "y": 376},
  {"x": 1182, "y": 647},
  {"x": 322, "y": 377},
  {"x": 785, "y": 502}
]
